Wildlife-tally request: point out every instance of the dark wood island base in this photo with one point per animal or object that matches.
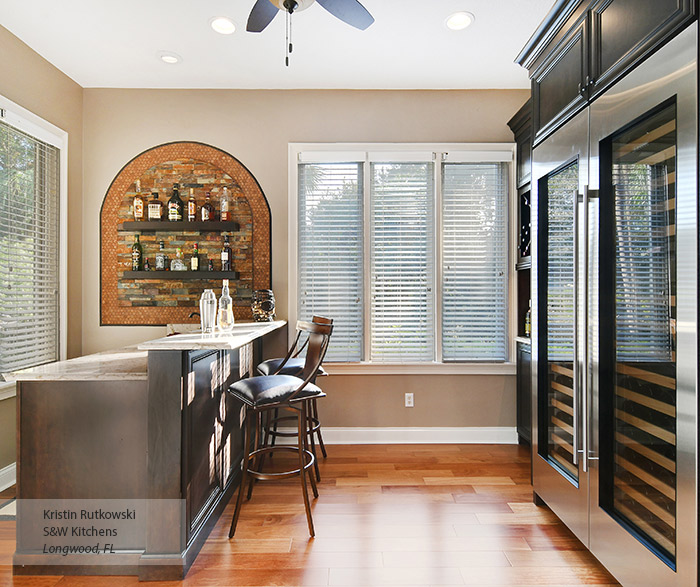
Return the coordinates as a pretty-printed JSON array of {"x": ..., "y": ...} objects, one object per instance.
[{"x": 150, "y": 428}]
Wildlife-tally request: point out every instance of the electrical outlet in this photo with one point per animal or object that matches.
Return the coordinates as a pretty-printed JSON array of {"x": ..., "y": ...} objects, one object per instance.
[{"x": 408, "y": 400}]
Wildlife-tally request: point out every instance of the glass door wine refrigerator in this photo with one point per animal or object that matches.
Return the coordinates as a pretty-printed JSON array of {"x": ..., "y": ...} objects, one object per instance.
[{"x": 615, "y": 333}]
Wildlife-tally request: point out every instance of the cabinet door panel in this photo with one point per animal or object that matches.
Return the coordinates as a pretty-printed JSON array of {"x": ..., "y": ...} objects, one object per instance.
[
  {"x": 230, "y": 417},
  {"x": 524, "y": 392},
  {"x": 201, "y": 434},
  {"x": 623, "y": 32},
  {"x": 559, "y": 83}
]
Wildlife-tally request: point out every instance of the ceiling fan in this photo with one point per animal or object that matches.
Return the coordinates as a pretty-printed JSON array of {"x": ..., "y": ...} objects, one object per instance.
[{"x": 349, "y": 11}]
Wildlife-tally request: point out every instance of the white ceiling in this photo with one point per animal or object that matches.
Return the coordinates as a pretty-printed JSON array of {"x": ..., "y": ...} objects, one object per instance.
[{"x": 115, "y": 44}]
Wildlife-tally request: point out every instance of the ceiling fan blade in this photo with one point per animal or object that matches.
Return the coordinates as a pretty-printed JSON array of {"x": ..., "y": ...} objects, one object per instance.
[
  {"x": 349, "y": 11},
  {"x": 262, "y": 14}
]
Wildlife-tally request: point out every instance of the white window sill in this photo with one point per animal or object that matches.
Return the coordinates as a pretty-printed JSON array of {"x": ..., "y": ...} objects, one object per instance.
[
  {"x": 7, "y": 390},
  {"x": 420, "y": 368}
]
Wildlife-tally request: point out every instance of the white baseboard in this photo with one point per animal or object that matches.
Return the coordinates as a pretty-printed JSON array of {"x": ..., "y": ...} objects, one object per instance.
[
  {"x": 8, "y": 476},
  {"x": 431, "y": 435}
]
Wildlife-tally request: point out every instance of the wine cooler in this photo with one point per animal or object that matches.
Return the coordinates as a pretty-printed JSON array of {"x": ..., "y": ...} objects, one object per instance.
[{"x": 615, "y": 331}]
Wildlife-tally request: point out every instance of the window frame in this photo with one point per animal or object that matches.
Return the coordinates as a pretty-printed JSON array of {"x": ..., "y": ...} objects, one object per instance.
[
  {"x": 26, "y": 121},
  {"x": 439, "y": 153}
]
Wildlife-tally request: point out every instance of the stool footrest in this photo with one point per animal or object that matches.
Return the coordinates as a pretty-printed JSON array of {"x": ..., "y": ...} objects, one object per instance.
[
  {"x": 316, "y": 424},
  {"x": 281, "y": 474}
]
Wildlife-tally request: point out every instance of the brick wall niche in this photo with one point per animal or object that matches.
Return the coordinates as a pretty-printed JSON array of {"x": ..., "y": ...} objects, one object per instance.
[{"x": 157, "y": 301}]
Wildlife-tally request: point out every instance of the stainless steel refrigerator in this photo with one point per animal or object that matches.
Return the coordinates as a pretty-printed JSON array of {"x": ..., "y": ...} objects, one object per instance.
[{"x": 615, "y": 244}]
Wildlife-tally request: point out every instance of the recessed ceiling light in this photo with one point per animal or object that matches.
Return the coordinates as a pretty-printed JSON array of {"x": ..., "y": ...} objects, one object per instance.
[
  {"x": 169, "y": 57},
  {"x": 222, "y": 25},
  {"x": 459, "y": 21}
]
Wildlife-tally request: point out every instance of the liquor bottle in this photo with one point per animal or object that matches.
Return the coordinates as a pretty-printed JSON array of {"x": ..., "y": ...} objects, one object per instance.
[
  {"x": 136, "y": 255},
  {"x": 210, "y": 266},
  {"x": 528, "y": 319},
  {"x": 225, "y": 204},
  {"x": 138, "y": 203},
  {"x": 224, "y": 318},
  {"x": 207, "y": 210},
  {"x": 155, "y": 207},
  {"x": 146, "y": 265},
  {"x": 175, "y": 205},
  {"x": 194, "y": 260},
  {"x": 226, "y": 255},
  {"x": 191, "y": 207},
  {"x": 161, "y": 259},
  {"x": 177, "y": 264}
]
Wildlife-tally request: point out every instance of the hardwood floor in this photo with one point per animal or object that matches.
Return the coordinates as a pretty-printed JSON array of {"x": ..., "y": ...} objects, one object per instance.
[{"x": 386, "y": 515}]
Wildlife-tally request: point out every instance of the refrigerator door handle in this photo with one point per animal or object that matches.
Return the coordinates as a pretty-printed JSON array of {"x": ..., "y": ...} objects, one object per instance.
[
  {"x": 576, "y": 385},
  {"x": 584, "y": 313},
  {"x": 588, "y": 195}
]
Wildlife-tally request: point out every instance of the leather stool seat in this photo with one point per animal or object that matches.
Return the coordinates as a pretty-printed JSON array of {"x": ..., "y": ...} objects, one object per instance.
[
  {"x": 273, "y": 389},
  {"x": 293, "y": 366}
]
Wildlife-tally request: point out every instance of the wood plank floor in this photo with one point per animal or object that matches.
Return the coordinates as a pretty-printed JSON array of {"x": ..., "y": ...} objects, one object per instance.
[{"x": 386, "y": 515}]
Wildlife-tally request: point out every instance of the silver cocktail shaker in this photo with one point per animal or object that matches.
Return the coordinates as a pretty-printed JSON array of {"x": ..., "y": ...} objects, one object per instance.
[{"x": 207, "y": 311}]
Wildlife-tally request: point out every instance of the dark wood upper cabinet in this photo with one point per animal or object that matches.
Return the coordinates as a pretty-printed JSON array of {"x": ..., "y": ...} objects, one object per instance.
[
  {"x": 624, "y": 32},
  {"x": 585, "y": 46},
  {"x": 521, "y": 125},
  {"x": 559, "y": 84}
]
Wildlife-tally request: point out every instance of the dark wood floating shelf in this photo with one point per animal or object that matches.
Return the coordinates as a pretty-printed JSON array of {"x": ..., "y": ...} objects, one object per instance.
[
  {"x": 182, "y": 226},
  {"x": 203, "y": 275}
]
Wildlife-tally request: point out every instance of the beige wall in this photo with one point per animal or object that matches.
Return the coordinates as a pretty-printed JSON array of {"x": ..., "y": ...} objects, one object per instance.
[
  {"x": 8, "y": 426},
  {"x": 256, "y": 127},
  {"x": 32, "y": 82}
]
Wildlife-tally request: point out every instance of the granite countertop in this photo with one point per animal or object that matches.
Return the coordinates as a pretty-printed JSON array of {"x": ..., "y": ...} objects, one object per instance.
[
  {"x": 242, "y": 334},
  {"x": 130, "y": 364}
]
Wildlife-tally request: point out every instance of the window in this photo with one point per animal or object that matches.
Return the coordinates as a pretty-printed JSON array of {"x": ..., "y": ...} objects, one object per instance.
[
  {"x": 406, "y": 247},
  {"x": 31, "y": 248}
]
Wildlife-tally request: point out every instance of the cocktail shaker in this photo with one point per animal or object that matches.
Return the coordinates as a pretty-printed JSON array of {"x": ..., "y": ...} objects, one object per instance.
[{"x": 207, "y": 311}]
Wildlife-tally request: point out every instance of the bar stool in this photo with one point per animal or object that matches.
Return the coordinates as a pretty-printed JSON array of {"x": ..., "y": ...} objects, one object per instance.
[
  {"x": 292, "y": 364},
  {"x": 260, "y": 396}
]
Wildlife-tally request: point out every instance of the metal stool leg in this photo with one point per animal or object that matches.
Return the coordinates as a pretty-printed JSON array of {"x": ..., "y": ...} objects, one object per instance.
[{"x": 244, "y": 474}]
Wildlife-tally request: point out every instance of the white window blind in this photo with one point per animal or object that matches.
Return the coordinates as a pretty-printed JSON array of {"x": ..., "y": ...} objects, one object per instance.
[
  {"x": 475, "y": 261},
  {"x": 330, "y": 252},
  {"x": 29, "y": 250},
  {"x": 561, "y": 302},
  {"x": 401, "y": 236},
  {"x": 643, "y": 271}
]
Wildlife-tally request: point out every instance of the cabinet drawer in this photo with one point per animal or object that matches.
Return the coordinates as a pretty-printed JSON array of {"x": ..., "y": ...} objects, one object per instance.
[
  {"x": 624, "y": 32},
  {"x": 559, "y": 83}
]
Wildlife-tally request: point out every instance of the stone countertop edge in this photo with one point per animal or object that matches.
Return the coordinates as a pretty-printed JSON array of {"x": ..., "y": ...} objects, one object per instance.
[
  {"x": 125, "y": 364},
  {"x": 131, "y": 363},
  {"x": 242, "y": 334}
]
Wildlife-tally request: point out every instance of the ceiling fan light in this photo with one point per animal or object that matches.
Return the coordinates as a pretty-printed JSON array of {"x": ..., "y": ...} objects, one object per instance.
[
  {"x": 223, "y": 25},
  {"x": 459, "y": 20}
]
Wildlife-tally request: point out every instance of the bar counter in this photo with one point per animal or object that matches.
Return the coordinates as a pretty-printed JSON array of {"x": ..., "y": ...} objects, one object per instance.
[{"x": 147, "y": 429}]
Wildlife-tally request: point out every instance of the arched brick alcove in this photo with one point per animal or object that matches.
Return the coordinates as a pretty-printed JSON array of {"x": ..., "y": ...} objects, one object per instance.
[{"x": 156, "y": 301}]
